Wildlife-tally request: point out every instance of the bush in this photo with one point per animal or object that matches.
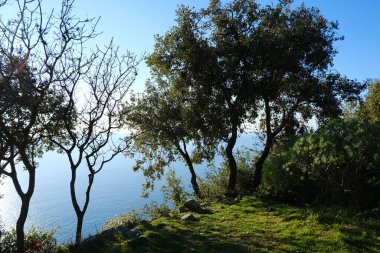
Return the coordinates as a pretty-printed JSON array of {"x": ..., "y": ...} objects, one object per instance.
[
  {"x": 37, "y": 240},
  {"x": 282, "y": 184},
  {"x": 173, "y": 191},
  {"x": 154, "y": 211},
  {"x": 338, "y": 164},
  {"x": 215, "y": 183},
  {"x": 130, "y": 220}
]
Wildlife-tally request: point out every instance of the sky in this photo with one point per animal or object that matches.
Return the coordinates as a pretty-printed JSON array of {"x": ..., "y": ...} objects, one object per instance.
[{"x": 133, "y": 24}]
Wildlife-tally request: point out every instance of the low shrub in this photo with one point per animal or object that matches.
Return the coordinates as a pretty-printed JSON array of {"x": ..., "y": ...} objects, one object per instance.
[
  {"x": 173, "y": 191},
  {"x": 37, "y": 240},
  {"x": 154, "y": 211},
  {"x": 130, "y": 220},
  {"x": 216, "y": 180}
]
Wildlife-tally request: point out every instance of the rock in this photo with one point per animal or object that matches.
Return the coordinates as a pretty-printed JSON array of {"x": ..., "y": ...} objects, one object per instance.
[
  {"x": 107, "y": 233},
  {"x": 98, "y": 239},
  {"x": 193, "y": 205},
  {"x": 91, "y": 240},
  {"x": 188, "y": 217}
]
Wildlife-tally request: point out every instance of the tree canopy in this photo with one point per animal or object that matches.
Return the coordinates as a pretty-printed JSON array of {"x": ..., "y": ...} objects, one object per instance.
[
  {"x": 165, "y": 131},
  {"x": 242, "y": 62}
]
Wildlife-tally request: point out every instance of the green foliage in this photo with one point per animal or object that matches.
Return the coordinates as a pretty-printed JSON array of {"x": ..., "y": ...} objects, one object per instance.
[
  {"x": 370, "y": 108},
  {"x": 135, "y": 217},
  {"x": 216, "y": 180},
  {"x": 338, "y": 164},
  {"x": 164, "y": 128},
  {"x": 174, "y": 191},
  {"x": 37, "y": 240},
  {"x": 214, "y": 183},
  {"x": 154, "y": 211},
  {"x": 282, "y": 184},
  {"x": 130, "y": 220}
]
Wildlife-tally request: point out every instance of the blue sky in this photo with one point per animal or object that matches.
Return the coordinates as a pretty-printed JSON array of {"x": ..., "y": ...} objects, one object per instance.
[{"x": 133, "y": 23}]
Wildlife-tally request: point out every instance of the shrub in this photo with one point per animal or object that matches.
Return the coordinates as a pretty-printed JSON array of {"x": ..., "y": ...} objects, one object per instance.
[
  {"x": 130, "y": 220},
  {"x": 338, "y": 164},
  {"x": 37, "y": 240},
  {"x": 154, "y": 211},
  {"x": 282, "y": 184},
  {"x": 174, "y": 191}
]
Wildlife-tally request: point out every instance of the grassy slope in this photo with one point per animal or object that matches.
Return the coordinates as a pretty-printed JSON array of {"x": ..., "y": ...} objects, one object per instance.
[{"x": 253, "y": 225}]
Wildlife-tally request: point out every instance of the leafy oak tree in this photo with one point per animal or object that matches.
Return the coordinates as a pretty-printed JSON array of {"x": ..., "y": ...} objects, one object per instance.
[
  {"x": 191, "y": 61},
  {"x": 36, "y": 49},
  {"x": 242, "y": 62},
  {"x": 293, "y": 54}
]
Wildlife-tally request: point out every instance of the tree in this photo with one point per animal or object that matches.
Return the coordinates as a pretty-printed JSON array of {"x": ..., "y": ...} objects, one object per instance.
[
  {"x": 200, "y": 66},
  {"x": 23, "y": 113},
  {"x": 369, "y": 109},
  {"x": 252, "y": 63},
  {"x": 94, "y": 98},
  {"x": 293, "y": 53},
  {"x": 164, "y": 126},
  {"x": 35, "y": 48}
]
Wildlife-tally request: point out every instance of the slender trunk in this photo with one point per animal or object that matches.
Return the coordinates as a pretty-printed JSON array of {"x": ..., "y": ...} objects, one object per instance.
[
  {"x": 189, "y": 163},
  {"x": 231, "y": 188},
  {"x": 25, "y": 202},
  {"x": 79, "y": 213},
  {"x": 260, "y": 163},
  {"x": 193, "y": 176},
  {"x": 20, "y": 235},
  {"x": 78, "y": 234},
  {"x": 268, "y": 144}
]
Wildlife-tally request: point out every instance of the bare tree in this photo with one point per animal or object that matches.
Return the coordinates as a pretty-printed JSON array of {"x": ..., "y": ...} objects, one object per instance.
[
  {"x": 37, "y": 51},
  {"x": 91, "y": 118}
]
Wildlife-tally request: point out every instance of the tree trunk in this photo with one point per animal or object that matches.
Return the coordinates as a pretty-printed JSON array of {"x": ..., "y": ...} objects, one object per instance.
[
  {"x": 193, "y": 176},
  {"x": 231, "y": 188},
  {"x": 78, "y": 211},
  {"x": 260, "y": 163},
  {"x": 78, "y": 234},
  {"x": 20, "y": 235},
  {"x": 25, "y": 202},
  {"x": 189, "y": 163}
]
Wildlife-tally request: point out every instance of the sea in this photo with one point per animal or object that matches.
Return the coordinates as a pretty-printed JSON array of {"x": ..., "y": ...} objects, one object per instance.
[{"x": 116, "y": 190}]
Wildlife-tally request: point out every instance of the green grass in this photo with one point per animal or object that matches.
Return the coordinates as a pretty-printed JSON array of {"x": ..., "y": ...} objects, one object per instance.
[{"x": 254, "y": 225}]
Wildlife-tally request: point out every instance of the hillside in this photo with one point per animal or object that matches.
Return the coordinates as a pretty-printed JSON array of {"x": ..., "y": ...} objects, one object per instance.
[{"x": 253, "y": 225}]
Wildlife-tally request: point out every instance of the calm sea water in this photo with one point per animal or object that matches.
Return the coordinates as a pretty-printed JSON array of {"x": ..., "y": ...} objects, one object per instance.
[{"x": 116, "y": 190}]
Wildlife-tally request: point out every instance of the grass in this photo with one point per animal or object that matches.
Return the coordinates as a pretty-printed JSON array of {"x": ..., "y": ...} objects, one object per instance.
[{"x": 253, "y": 225}]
